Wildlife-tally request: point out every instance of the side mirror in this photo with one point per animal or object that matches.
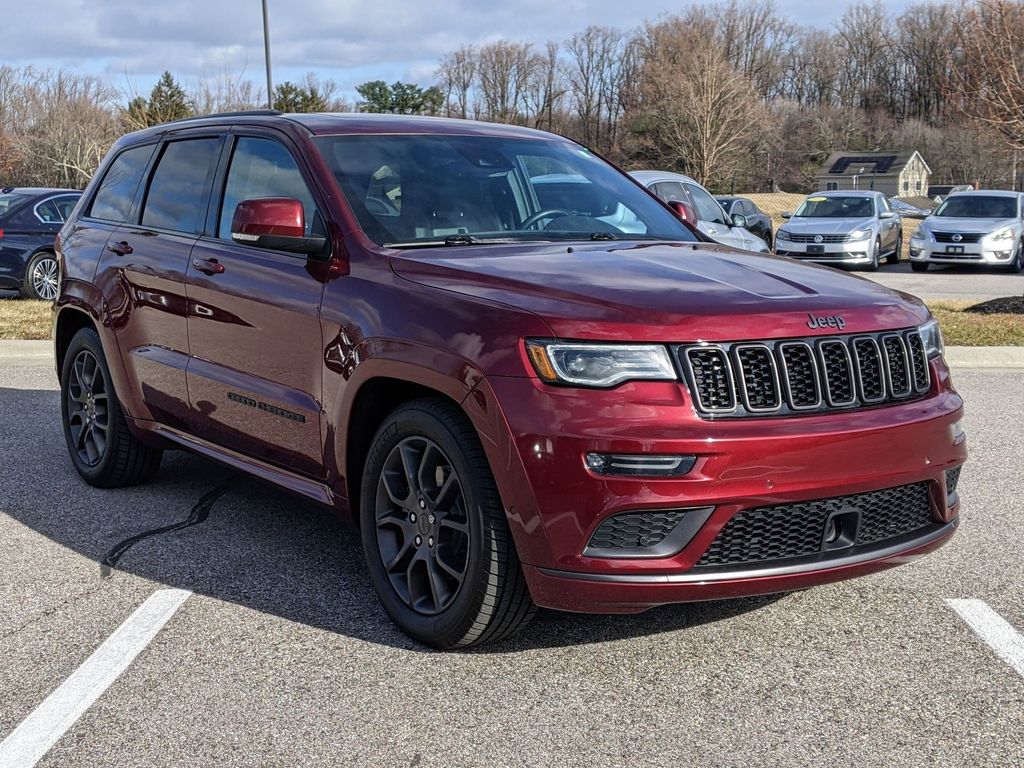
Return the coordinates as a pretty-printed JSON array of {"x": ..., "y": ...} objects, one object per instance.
[
  {"x": 739, "y": 220},
  {"x": 787, "y": 214},
  {"x": 277, "y": 223},
  {"x": 887, "y": 215},
  {"x": 684, "y": 211}
]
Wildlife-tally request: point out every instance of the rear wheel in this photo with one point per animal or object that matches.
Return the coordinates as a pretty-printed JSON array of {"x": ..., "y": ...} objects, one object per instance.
[
  {"x": 919, "y": 266},
  {"x": 40, "y": 280},
  {"x": 437, "y": 544},
  {"x": 103, "y": 450}
]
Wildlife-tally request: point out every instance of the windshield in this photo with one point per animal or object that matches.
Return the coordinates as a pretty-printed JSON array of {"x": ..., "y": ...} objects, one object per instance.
[
  {"x": 11, "y": 200},
  {"x": 972, "y": 206},
  {"x": 836, "y": 208},
  {"x": 416, "y": 190}
]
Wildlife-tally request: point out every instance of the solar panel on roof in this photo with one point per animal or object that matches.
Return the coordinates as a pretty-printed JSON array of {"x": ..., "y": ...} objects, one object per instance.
[{"x": 876, "y": 164}]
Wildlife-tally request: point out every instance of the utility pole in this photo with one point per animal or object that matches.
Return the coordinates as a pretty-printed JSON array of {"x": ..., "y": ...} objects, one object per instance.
[{"x": 266, "y": 51}]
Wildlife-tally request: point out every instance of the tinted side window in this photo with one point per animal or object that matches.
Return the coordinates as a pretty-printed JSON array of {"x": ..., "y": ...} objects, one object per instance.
[
  {"x": 670, "y": 191},
  {"x": 707, "y": 209},
  {"x": 48, "y": 213},
  {"x": 262, "y": 168},
  {"x": 114, "y": 197},
  {"x": 177, "y": 192},
  {"x": 65, "y": 205}
]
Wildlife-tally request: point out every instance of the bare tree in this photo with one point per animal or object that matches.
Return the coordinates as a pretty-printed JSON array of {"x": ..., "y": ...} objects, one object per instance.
[
  {"x": 457, "y": 73},
  {"x": 504, "y": 72},
  {"x": 546, "y": 90},
  {"x": 988, "y": 73}
]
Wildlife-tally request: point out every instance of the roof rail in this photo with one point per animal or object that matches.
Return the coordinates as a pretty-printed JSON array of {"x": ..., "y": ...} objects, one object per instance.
[{"x": 240, "y": 113}]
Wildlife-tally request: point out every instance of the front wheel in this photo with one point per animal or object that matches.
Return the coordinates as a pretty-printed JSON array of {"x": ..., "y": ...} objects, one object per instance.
[
  {"x": 894, "y": 257},
  {"x": 876, "y": 254},
  {"x": 1018, "y": 260},
  {"x": 436, "y": 539},
  {"x": 103, "y": 450}
]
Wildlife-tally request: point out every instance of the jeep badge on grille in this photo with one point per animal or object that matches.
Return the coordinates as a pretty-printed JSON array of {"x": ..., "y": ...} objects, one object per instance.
[{"x": 826, "y": 321}]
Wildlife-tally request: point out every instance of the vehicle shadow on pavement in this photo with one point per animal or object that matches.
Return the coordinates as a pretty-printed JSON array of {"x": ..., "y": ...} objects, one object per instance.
[{"x": 258, "y": 547}]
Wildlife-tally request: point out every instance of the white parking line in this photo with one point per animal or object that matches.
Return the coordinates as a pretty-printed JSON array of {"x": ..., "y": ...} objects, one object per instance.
[
  {"x": 1000, "y": 635},
  {"x": 38, "y": 732}
]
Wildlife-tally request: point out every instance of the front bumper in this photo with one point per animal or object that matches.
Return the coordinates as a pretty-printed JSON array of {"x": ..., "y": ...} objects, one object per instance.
[
  {"x": 858, "y": 252},
  {"x": 555, "y": 502},
  {"x": 981, "y": 253}
]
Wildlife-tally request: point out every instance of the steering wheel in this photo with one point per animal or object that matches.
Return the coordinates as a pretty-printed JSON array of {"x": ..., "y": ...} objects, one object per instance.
[{"x": 550, "y": 213}]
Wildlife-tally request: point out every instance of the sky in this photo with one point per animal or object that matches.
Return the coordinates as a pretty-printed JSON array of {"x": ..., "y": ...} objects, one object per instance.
[{"x": 132, "y": 41}]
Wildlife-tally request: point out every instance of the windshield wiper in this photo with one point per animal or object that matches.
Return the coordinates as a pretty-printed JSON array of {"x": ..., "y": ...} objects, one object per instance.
[
  {"x": 603, "y": 236},
  {"x": 451, "y": 240}
]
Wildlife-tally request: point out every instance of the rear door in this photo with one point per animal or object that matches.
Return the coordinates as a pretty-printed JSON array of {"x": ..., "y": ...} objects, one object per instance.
[
  {"x": 254, "y": 377},
  {"x": 142, "y": 273}
]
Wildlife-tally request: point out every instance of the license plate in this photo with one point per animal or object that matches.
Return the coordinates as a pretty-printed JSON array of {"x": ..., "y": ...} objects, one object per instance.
[
  {"x": 955, "y": 250},
  {"x": 820, "y": 249}
]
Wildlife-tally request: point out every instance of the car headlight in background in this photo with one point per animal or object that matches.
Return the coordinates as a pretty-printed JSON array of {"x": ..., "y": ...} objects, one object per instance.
[
  {"x": 599, "y": 365},
  {"x": 860, "y": 234},
  {"x": 931, "y": 335},
  {"x": 782, "y": 235},
  {"x": 1002, "y": 234},
  {"x": 921, "y": 235}
]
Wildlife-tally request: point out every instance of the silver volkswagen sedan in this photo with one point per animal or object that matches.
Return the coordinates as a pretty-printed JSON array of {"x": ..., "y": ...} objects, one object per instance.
[
  {"x": 984, "y": 228},
  {"x": 858, "y": 228}
]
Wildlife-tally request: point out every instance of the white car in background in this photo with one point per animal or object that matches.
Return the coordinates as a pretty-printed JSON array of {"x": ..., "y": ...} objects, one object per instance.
[
  {"x": 711, "y": 218},
  {"x": 985, "y": 228},
  {"x": 857, "y": 228}
]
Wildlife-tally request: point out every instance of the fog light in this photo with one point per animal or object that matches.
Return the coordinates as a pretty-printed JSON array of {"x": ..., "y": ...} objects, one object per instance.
[
  {"x": 956, "y": 432},
  {"x": 640, "y": 464}
]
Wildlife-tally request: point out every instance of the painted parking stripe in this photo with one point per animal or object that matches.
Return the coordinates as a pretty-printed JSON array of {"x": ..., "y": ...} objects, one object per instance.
[
  {"x": 1000, "y": 635},
  {"x": 38, "y": 732}
]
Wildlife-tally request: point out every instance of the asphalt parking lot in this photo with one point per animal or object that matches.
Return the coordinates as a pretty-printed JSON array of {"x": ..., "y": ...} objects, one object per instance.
[{"x": 281, "y": 655}]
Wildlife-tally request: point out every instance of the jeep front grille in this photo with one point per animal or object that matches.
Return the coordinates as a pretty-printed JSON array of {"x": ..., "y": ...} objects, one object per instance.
[{"x": 789, "y": 376}]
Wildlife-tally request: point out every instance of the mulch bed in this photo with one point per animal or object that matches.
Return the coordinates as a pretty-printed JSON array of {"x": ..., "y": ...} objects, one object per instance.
[{"x": 1008, "y": 305}]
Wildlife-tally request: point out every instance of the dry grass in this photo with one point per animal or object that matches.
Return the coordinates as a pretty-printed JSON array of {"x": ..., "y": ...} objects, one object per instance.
[
  {"x": 968, "y": 329},
  {"x": 24, "y": 319}
]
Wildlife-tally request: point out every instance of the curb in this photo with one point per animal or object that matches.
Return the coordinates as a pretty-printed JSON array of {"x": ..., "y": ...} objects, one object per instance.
[{"x": 41, "y": 352}]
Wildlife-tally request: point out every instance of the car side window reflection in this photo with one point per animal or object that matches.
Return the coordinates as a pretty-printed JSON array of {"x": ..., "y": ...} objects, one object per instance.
[
  {"x": 262, "y": 168},
  {"x": 707, "y": 209}
]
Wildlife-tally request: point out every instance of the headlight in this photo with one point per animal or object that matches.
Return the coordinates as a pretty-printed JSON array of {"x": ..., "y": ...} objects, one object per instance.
[
  {"x": 1002, "y": 234},
  {"x": 599, "y": 365},
  {"x": 921, "y": 235},
  {"x": 932, "y": 338},
  {"x": 860, "y": 234},
  {"x": 782, "y": 235}
]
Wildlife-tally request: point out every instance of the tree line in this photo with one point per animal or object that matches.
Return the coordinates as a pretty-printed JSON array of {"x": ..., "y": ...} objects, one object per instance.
[{"x": 733, "y": 93}]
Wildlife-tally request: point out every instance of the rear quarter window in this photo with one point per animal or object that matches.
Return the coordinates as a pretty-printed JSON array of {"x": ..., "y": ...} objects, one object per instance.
[{"x": 113, "y": 200}]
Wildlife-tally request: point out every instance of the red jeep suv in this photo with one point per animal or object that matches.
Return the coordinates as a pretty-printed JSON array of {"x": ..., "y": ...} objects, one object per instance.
[{"x": 520, "y": 374}]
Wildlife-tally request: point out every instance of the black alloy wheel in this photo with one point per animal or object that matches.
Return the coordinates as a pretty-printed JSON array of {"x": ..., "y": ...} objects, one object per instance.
[
  {"x": 422, "y": 525},
  {"x": 88, "y": 409}
]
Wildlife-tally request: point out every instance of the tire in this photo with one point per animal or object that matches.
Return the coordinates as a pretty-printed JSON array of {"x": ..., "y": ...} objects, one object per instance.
[
  {"x": 894, "y": 257},
  {"x": 40, "y": 281},
  {"x": 919, "y": 266},
  {"x": 768, "y": 241},
  {"x": 103, "y": 450},
  {"x": 876, "y": 256},
  {"x": 454, "y": 579}
]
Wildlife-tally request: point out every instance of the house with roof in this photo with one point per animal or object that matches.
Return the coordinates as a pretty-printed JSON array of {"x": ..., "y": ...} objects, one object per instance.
[{"x": 896, "y": 174}]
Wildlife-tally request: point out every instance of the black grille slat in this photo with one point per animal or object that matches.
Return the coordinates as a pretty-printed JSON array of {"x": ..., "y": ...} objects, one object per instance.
[
  {"x": 635, "y": 530},
  {"x": 712, "y": 378},
  {"x": 801, "y": 238},
  {"x": 758, "y": 378},
  {"x": 897, "y": 365},
  {"x": 811, "y": 375},
  {"x": 789, "y": 531},
  {"x": 870, "y": 375},
  {"x": 918, "y": 362},
  {"x": 838, "y": 367},
  {"x": 952, "y": 480},
  {"x": 800, "y": 371}
]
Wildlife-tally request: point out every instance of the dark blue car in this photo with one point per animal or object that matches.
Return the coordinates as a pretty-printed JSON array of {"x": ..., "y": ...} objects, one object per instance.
[{"x": 29, "y": 221}]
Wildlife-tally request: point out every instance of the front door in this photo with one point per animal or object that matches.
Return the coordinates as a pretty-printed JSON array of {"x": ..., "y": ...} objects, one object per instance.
[{"x": 254, "y": 377}]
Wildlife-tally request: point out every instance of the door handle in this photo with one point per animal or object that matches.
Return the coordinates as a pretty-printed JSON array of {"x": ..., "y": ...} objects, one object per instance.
[
  {"x": 208, "y": 266},
  {"x": 121, "y": 249}
]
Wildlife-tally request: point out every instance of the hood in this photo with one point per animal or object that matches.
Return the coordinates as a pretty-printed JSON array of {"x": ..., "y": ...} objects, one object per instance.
[
  {"x": 643, "y": 291},
  {"x": 811, "y": 226},
  {"x": 949, "y": 224}
]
